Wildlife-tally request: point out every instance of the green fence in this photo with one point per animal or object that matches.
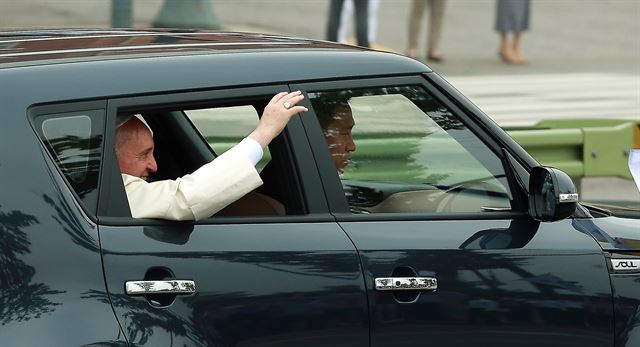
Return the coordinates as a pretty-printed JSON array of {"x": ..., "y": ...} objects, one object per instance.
[{"x": 582, "y": 148}]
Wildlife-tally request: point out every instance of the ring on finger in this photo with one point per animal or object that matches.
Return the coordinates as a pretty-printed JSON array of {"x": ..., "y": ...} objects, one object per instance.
[{"x": 287, "y": 105}]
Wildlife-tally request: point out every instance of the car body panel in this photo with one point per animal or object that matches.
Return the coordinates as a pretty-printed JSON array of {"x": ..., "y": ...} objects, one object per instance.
[
  {"x": 51, "y": 277},
  {"x": 612, "y": 233},
  {"x": 626, "y": 302},
  {"x": 507, "y": 282},
  {"x": 255, "y": 283}
]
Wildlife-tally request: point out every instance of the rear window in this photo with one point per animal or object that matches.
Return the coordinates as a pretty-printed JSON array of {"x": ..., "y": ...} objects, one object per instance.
[{"x": 74, "y": 141}]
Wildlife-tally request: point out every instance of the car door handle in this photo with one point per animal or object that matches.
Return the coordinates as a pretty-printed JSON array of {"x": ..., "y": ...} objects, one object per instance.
[
  {"x": 406, "y": 283},
  {"x": 174, "y": 287}
]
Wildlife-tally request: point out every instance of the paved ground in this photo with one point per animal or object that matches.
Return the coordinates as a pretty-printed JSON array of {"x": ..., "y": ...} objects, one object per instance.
[
  {"x": 565, "y": 35},
  {"x": 584, "y": 55}
]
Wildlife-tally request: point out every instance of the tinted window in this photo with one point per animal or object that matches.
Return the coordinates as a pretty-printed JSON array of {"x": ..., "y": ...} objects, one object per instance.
[
  {"x": 74, "y": 141},
  {"x": 397, "y": 149}
]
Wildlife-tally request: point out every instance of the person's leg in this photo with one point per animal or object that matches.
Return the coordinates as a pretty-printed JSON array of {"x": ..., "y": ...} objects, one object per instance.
[
  {"x": 362, "y": 22},
  {"x": 516, "y": 48},
  {"x": 435, "y": 28},
  {"x": 374, "y": 5},
  {"x": 506, "y": 51},
  {"x": 415, "y": 16},
  {"x": 503, "y": 26},
  {"x": 345, "y": 21},
  {"x": 504, "y": 42},
  {"x": 335, "y": 7}
]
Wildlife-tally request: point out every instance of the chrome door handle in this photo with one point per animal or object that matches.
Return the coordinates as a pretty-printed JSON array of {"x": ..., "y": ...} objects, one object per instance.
[
  {"x": 160, "y": 287},
  {"x": 406, "y": 283}
]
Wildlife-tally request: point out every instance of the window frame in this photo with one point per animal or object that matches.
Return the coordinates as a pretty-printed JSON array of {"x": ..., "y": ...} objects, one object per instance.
[
  {"x": 335, "y": 193},
  {"x": 96, "y": 111},
  {"x": 292, "y": 146}
]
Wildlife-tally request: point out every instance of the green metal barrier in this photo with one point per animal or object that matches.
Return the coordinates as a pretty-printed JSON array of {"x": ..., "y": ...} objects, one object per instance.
[{"x": 581, "y": 148}]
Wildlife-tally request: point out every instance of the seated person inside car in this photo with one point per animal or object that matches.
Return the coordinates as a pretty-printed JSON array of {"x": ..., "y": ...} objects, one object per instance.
[
  {"x": 337, "y": 123},
  {"x": 210, "y": 188}
]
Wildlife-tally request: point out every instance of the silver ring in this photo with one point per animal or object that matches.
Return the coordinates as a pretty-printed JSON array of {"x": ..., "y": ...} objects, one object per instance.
[{"x": 287, "y": 105}]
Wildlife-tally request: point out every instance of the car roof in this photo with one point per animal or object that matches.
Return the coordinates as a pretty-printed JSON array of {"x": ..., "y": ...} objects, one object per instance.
[
  {"x": 92, "y": 63},
  {"x": 47, "y": 45},
  {"x": 41, "y": 47}
]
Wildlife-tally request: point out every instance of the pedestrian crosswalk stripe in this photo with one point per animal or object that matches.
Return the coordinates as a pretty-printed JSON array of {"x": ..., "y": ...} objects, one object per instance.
[{"x": 526, "y": 99}]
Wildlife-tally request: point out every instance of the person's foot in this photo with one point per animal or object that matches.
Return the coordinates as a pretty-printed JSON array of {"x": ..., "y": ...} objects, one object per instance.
[
  {"x": 435, "y": 58},
  {"x": 412, "y": 53},
  {"x": 508, "y": 57},
  {"x": 518, "y": 57}
]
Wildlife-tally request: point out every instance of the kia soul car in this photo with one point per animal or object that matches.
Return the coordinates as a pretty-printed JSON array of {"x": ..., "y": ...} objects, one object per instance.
[{"x": 393, "y": 212}]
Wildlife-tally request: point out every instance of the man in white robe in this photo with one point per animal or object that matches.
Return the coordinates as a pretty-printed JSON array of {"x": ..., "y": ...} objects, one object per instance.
[{"x": 211, "y": 187}]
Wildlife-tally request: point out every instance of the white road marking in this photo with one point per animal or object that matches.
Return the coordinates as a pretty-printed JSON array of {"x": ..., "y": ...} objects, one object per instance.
[{"x": 527, "y": 99}]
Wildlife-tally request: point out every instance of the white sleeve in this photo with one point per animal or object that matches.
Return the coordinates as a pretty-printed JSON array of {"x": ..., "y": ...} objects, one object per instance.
[
  {"x": 250, "y": 148},
  {"x": 196, "y": 196}
]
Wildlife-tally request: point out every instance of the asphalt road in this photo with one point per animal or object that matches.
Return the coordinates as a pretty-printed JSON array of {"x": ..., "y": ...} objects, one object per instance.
[
  {"x": 583, "y": 55},
  {"x": 565, "y": 35}
]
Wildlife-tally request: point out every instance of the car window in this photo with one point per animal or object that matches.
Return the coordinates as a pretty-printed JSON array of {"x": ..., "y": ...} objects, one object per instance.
[
  {"x": 397, "y": 149},
  {"x": 223, "y": 127},
  {"x": 188, "y": 134},
  {"x": 74, "y": 141}
]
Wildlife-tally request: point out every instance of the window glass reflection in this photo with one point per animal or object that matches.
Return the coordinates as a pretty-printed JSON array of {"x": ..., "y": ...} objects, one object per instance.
[
  {"x": 75, "y": 143},
  {"x": 396, "y": 149}
]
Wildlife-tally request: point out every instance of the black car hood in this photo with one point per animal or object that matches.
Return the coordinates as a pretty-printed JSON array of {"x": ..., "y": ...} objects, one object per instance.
[
  {"x": 623, "y": 209},
  {"x": 612, "y": 233}
]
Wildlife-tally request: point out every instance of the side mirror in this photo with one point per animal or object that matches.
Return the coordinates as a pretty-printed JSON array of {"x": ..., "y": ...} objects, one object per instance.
[{"x": 552, "y": 194}]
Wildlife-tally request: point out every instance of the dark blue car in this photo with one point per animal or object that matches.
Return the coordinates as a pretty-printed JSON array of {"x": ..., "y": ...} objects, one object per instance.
[{"x": 410, "y": 220}]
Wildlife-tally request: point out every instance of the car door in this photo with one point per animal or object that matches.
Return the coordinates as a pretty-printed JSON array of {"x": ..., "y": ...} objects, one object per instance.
[
  {"x": 235, "y": 280},
  {"x": 449, "y": 254}
]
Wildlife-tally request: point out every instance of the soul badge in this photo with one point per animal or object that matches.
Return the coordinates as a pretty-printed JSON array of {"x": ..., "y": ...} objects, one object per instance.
[{"x": 625, "y": 265}]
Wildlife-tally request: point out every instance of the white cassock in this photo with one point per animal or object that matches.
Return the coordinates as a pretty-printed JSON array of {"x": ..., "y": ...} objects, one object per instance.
[{"x": 201, "y": 194}]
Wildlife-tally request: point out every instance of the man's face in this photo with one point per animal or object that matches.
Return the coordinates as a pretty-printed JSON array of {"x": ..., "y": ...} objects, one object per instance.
[
  {"x": 339, "y": 139},
  {"x": 134, "y": 150}
]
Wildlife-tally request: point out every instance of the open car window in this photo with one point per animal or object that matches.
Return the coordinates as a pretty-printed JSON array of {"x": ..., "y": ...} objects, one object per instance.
[
  {"x": 224, "y": 127},
  {"x": 187, "y": 136},
  {"x": 397, "y": 150}
]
